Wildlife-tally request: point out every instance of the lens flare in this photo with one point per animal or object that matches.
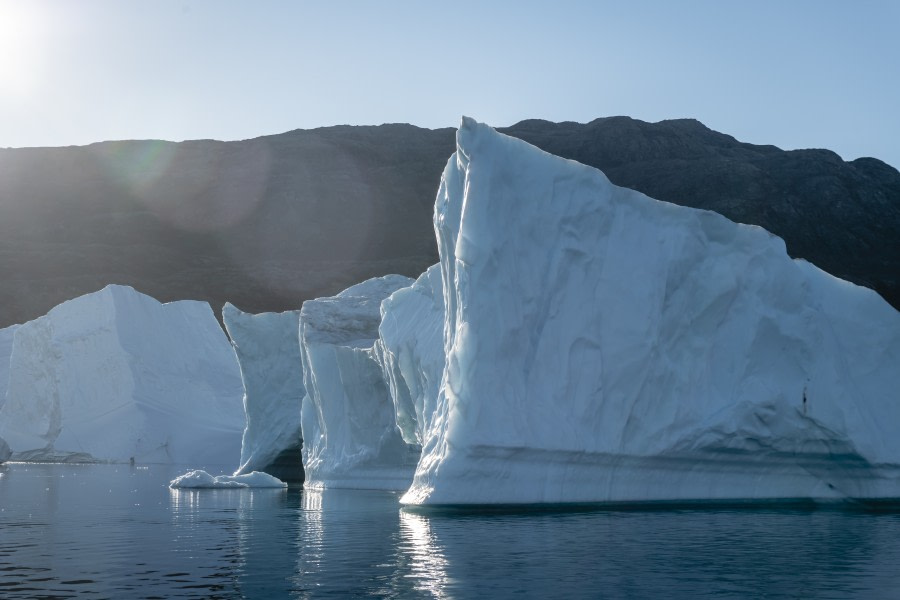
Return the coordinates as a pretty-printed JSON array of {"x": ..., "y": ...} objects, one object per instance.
[
  {"x": 194, "y": 186},
  {"x": 19, "y": 44}
]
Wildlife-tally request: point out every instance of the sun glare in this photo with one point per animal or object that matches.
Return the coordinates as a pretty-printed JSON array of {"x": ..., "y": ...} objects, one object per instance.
[{"x": 18, "y": 47}]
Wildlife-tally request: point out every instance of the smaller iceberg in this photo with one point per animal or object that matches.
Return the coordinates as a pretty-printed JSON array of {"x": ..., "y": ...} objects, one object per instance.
[
  {"x": 202, "y": 480},
  {"x": 268, "y": 350},
  {"x": 115, "y": 376},
  {"x": 350, "y": 434}
]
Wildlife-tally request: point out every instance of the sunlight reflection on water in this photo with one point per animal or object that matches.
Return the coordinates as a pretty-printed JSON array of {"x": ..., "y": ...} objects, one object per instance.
[
  {"x": 110, "y": 531},
  {"x": 427, "y": 563}
]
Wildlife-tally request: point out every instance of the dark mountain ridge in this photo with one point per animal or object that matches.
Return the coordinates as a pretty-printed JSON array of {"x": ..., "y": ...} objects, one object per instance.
[{"x": 269, "y": 222}]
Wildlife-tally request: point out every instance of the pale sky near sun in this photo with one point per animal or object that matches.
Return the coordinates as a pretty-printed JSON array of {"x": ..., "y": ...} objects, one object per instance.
[{"x": 794, "y": 73}]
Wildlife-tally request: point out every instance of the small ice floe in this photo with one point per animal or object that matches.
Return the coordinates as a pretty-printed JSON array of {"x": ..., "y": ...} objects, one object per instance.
[{"x": 201, "y": 479}]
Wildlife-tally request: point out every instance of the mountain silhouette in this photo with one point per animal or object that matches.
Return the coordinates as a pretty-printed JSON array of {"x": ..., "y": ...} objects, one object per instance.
[{"x": 269, "y": 222}]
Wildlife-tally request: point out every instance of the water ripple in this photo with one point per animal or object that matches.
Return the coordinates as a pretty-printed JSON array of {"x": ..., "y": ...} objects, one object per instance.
[{"x": 105, "y": 532}]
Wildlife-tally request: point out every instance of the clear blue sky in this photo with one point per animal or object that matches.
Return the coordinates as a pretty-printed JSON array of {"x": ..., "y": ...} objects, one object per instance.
[{"x": 794, "y": 73}]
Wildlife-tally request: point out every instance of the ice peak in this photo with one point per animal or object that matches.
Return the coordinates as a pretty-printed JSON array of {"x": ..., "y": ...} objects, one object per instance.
[{"x": 600, "y": 345}]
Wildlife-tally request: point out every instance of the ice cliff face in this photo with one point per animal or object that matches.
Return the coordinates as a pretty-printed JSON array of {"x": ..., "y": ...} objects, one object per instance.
[
  {"x": 349, "y": 429},
  {"x": 268, "y": 350},
  {"x": 604, "y": 346},
  {"x": 115, "y": 375},
  {"x": 410, "y": 349}
]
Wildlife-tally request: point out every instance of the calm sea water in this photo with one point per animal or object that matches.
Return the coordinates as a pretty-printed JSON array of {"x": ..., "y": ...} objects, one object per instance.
[{"x": 104, "y": 531}]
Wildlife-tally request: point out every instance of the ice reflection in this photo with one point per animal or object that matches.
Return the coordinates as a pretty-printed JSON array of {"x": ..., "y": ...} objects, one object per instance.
[
  {"x": 310, "y": 535},
  {"x": 426, "y": 559},
  {"x": 184, "y": 502},
  {"x": 266, "y": 542},
  {"x": 312, "y": 501},
  {"x": 205, "y": 537},
  {"x": 99, "y": 531},
  {"x": 348, "y": 546},
  {"x": 243, "y": 537}
]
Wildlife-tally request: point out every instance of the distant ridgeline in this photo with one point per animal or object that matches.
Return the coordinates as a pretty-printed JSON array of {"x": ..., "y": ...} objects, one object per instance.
[{"x": 269, "y": 222}]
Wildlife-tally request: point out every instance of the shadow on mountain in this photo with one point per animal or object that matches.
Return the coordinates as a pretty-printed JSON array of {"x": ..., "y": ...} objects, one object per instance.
[{"x": 269, "y": 222}]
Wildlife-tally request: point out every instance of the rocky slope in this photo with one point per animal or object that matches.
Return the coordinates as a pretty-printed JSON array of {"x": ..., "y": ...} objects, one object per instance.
[{"x": 269, "y": 222}]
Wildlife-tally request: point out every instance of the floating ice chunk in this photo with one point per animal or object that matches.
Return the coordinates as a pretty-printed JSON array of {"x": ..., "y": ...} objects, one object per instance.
[
  {"x": 604, "y": 346},
  {"x": 268, "y": 349},
  {"x": 350, "y": 435},
  {"x": 117, "y": 376},
  {"x": 202, "y": 480}
]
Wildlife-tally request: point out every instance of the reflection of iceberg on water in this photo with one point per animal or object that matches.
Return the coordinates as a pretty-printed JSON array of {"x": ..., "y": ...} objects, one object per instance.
[
  {"x": 333, "y": 562},
  {"x": 424, "y": 556}
]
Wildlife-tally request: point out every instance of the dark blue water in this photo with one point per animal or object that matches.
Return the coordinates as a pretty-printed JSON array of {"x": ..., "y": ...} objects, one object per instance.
[{"x": 103, "y": 531}]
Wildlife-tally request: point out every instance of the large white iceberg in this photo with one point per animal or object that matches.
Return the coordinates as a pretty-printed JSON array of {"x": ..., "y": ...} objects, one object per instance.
[
  {"x": 410, "y": 349},
  {"x": 350, "y": 435},
  {"x": 117, "y": 376},
  {"x": 268, "y": 349},
  {"x": 605, "y": 346}
]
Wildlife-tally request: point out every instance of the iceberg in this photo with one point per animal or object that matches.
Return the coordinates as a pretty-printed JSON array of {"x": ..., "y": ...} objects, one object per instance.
[
  {"x": 350, "y": 434},
  {"x": 200, "y": 479},
  {"x": 5, "y": 452},
  {"x": 603, "y": 346},
  {"x": 410, "y": 350},
  {"x": 268, "y": 350},
  {"x": 116, "y": 376}
]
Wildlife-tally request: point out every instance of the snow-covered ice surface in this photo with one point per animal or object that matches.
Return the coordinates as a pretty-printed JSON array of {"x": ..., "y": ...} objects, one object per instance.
[
  {"x": 115, "y": 375},
  {"x": 202, "y": 480},
  {"x": 605, "y": 346},
  {"x": 268, "y": 350},
  {"x": 350, "y": 436},
  {"x": 410, "y": 349}
]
